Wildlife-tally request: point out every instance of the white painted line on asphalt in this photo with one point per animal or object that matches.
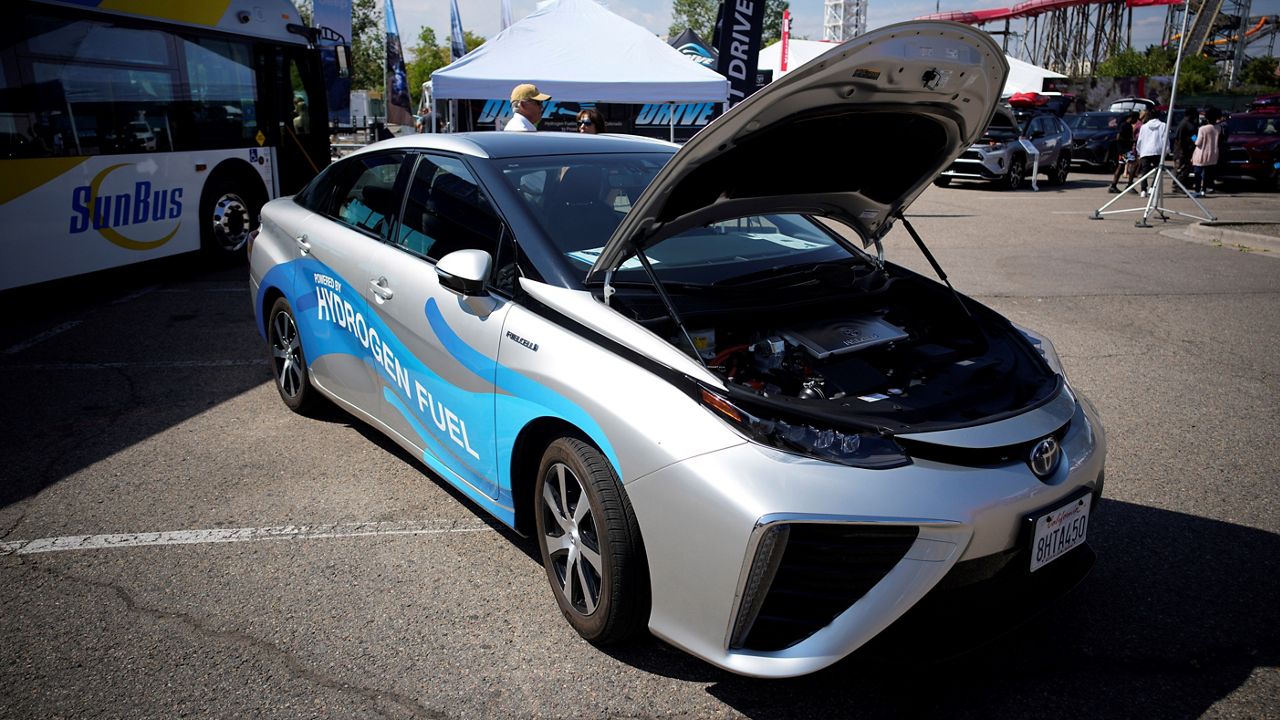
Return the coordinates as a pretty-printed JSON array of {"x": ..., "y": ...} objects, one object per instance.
[
  {"x": 140, "y": 364},
  {"x": 19, "y": 347},
  {"x": 135, "y": 295},
  {"x": 229, "y": 535}
]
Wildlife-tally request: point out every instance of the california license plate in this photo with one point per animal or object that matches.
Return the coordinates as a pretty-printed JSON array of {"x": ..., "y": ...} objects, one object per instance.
[{"x": 1059, "y": 531}]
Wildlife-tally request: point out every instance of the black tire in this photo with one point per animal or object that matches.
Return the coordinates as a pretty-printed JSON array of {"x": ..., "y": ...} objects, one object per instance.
[
  {"x": 229, "y": 208},
  {"x": 289, "y": 362},
  {"x": 1058, "y": 175},
  {"x": 1017, "y": 170},
  {"x": 942, "y": 181},
  {"x": 592, "y": 554}
]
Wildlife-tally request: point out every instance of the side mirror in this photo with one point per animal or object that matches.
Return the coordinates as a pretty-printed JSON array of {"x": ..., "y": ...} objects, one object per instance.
[
  {"x": 343, "y": 54},
  {"x": 464, "y": 272}
]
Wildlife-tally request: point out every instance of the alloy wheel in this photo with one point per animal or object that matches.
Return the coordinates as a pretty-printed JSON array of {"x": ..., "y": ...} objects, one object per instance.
[
  {"x": 286, "y": 352},
  {"x": 571, "y": 538}
]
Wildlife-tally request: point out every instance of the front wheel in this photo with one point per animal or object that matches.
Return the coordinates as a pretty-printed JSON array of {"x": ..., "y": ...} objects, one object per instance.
[
  {"x": 228, "y": 213},
  {"x": 942, "y": 181},
  {"x": 288, "y": 361},
  {"x": 590, "y": 543},
  {"x": 1017, "y": 169}
]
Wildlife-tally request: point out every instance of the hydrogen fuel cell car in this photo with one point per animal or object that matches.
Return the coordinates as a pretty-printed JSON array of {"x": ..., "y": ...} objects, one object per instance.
[{"x": 689, "y": 372}]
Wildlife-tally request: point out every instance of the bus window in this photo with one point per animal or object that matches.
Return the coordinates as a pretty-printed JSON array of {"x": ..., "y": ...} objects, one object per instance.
[
  {"x": 301, "y": 101},
  {"x": 223, "y": 91},
  {"x": 96, "y": 89}
]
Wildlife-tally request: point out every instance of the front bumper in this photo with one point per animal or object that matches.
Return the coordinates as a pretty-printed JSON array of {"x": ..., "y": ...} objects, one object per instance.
[
  {"x": 704, "y": 519},
  {"x": 979, "y": 164}
]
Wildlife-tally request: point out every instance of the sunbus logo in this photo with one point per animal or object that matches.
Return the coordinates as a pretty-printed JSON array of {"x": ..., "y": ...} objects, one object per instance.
[{"x": 106, "y": 213}]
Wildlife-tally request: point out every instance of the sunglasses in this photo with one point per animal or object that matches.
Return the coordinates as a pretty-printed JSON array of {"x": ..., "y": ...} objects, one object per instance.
[{"x": 585, "y": 123}]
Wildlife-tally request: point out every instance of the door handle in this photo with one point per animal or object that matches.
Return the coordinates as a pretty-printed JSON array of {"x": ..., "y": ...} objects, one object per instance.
[
  {"x": 303, "y": 246},
  {"x": 379, "y": 288}
]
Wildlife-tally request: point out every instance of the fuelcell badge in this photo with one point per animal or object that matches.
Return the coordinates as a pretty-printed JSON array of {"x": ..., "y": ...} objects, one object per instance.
[{"x": 531, "y": 345}]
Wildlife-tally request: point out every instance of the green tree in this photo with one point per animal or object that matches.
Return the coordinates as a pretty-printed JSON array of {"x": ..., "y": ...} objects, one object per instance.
[
  {"x": 1126, "y": 63},
  {"x": 1198, "y": 74},
  {"x": 368, "y": 45},
  {"x": 430, "y": 55},
  {"x": 1261, "y": 72},
  {"x": 700, "y": 16}
]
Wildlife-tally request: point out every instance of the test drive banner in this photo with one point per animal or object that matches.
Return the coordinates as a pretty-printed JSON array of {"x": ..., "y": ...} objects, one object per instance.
[
  {"x": 648, "y": 119},
  {"x": 742, "y": 24}
]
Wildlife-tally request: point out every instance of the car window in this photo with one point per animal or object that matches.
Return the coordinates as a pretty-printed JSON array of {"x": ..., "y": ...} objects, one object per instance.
[
  {"x": 578, "y": 200},
  {"x": 445, "y": 210},
  {"x": 365, "y": 197}
]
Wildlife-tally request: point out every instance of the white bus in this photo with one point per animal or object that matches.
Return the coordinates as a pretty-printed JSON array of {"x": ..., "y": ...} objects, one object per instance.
[{"x": 126, "y": 137}]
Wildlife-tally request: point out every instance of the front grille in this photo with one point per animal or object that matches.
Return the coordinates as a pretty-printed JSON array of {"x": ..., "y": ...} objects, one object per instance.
[
  {"x": 1237, "y": 155},
  {"x": 971, "y": 155},
  {"x": 825, "y": 569},
  {"x": 975, "y": 457}
]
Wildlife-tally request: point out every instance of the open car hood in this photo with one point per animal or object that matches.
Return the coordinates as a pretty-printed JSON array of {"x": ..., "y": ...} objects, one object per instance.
[{"x": 854, "y": 135}]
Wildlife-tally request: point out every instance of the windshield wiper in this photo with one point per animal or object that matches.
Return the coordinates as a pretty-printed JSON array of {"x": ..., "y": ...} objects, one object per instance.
[{"x": 785, "y": 275}]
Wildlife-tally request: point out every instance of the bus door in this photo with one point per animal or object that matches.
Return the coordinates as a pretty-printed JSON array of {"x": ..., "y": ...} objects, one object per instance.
[{"x": 300, "y": 132}]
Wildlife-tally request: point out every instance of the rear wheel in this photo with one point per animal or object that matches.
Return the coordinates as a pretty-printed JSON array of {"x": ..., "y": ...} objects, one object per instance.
[
  {"x": 1058, "y": 175},
  {"x": 288, "y": 361},
  {"x": 590, "y": 543}
]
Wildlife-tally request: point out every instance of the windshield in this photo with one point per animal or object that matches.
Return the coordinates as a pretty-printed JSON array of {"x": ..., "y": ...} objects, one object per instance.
[
  {"x": 1253, "y": 125},
  {"x": 578, "y": 201},
  {"x": 1105, "y": 121}
]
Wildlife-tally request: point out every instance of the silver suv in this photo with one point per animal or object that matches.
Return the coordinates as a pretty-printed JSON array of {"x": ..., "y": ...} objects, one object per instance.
[{"x": 999, "y": 157}]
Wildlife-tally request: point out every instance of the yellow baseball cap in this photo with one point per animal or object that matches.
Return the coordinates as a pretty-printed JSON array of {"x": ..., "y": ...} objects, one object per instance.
[{"x": 528, "y": 91}]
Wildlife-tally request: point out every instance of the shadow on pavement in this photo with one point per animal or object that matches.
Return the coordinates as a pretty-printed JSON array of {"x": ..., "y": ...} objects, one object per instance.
[{"x": 1178, "y": 612}]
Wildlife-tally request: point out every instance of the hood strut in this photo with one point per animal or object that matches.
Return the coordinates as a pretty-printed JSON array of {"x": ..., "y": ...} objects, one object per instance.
[
  {"x": 936, "y": 267},
  {"x": 666, "y": 301}
]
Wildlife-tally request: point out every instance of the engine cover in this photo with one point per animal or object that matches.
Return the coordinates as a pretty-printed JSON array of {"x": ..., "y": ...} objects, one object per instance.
[{"x": 838, "y": 337}]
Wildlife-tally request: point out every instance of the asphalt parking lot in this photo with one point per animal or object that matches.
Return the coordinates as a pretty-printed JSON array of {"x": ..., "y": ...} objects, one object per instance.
[{"x": 175, "y": 542}]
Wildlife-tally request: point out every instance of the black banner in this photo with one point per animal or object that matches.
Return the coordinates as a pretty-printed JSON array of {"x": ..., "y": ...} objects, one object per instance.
[{"x": 738, "y": 42}]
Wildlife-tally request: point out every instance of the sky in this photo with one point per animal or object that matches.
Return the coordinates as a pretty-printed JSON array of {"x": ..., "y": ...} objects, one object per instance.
[{"x": 481, "y": 16}]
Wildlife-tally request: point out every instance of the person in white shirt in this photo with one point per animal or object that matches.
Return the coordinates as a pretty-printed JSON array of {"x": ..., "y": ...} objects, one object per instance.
[
  {"x": 1152, "y": 137},
  {"x": 526, "y": 102}
]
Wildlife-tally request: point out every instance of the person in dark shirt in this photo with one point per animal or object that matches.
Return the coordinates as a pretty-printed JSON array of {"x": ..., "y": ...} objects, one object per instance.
[
  {"x": 1125, "y": 159},
  {"x": 1184, "y": 144}
]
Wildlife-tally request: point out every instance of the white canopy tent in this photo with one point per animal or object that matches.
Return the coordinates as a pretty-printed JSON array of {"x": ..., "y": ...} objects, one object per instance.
[
  {"x": 576, "y": 50},
  {"x": 1023, "y": 76}
]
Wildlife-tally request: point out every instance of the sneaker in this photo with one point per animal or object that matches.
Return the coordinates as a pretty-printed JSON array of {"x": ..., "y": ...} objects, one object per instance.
[
  {"x": 1113, "y": 189},
  {"x": 1198, "y": 194},
  {"x": 1142, "y": 193}
]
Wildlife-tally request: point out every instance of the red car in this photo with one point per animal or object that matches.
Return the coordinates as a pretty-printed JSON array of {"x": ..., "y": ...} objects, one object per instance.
[{"x": 1254, "y": 149}]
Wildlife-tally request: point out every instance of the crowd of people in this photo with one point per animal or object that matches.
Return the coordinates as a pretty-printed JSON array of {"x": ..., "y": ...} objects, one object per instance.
[{"x": 1198, "y": 144}]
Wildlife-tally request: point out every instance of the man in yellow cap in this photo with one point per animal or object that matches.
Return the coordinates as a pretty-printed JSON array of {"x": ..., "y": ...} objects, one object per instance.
[{"x": 526, "y": 101}]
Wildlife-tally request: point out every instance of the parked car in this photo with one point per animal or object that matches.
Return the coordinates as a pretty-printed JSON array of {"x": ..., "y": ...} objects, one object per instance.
[
  {"x": 1131, "y": 104},
  {"x": 1093, "y": 138},
  {"x": 1253, "y": 153},
  {"x": 1000, "y": 158},
  {"x": 719, "y": 419}
]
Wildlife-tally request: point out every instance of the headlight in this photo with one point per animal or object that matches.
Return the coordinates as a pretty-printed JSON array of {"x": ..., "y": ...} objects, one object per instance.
[
  {"x": 857, "y": 449},
  {"x": 1045, "y": 347}
]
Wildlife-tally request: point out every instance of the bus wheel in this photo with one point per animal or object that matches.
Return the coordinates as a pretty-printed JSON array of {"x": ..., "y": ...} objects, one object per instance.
[{"x": 227, "y": 215}]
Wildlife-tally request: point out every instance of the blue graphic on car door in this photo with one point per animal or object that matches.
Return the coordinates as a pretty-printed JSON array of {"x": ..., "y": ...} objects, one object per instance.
[{"x": 334, "y": 318}]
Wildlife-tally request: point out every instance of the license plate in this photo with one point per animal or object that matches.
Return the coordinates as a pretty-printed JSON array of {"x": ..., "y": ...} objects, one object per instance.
[{"x": 1059, "y": 530}]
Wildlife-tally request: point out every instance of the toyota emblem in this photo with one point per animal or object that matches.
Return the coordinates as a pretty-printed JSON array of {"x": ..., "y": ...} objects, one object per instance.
[{"x": 1044, "y": 457}]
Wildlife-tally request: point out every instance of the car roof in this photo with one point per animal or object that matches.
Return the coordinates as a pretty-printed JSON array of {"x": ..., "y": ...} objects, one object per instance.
[{"x": 522, "y": 144}]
